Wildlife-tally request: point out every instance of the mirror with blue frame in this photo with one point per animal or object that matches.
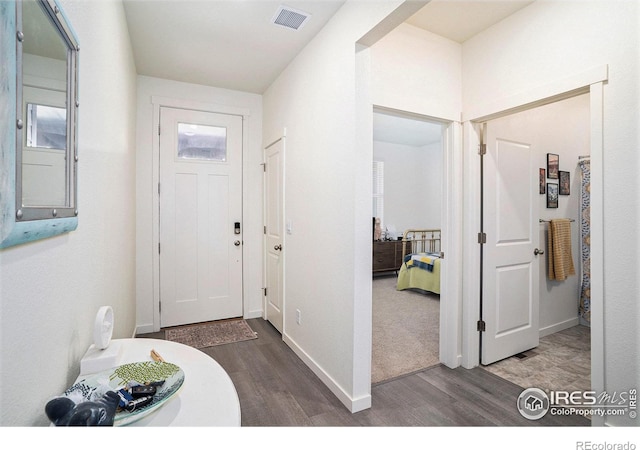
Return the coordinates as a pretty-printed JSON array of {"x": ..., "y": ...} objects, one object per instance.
[{"x": 38, "y": 122}]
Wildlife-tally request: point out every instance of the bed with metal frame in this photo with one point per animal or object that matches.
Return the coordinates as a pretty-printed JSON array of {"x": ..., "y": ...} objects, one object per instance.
[{"x": 421, "y": 261}]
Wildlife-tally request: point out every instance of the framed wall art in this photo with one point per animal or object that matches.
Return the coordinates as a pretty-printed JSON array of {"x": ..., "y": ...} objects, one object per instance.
[
  {"x": 552, "y": 195},
  {"x": 553, "y": 166},
  {"x": 543, "y": 181}
]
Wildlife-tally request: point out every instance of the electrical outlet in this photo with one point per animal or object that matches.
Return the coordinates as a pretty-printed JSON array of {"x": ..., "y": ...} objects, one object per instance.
[{"x": 298, "y": 316}]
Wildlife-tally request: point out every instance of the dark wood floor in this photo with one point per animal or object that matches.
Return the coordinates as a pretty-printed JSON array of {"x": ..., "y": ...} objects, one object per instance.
[{"x": 277, "y": 389}]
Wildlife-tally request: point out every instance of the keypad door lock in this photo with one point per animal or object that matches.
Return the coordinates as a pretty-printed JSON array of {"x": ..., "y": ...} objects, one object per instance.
[{"x": 236, "y": 228}]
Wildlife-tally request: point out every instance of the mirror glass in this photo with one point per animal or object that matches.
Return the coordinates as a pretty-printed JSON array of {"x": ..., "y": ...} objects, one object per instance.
[
  {"x": 44, "y": 110},
  {"x": 45, "y": 171}
]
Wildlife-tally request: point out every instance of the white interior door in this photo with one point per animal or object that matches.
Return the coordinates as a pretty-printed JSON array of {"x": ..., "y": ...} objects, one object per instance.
[
  {"x": 200, "y": 216},
  {"x": 510, "y": 294},
  {"x": 274, "y": 232}
]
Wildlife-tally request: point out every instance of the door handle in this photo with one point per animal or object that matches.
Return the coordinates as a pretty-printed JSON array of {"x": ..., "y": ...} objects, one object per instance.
[
  {"x": 538, "y": 252},
  {"x": 236, "y": 243},
  {"x": 278, "y": 247}
]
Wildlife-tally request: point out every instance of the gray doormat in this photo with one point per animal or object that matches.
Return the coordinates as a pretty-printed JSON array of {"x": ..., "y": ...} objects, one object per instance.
[{"x": 210, "y": 334}]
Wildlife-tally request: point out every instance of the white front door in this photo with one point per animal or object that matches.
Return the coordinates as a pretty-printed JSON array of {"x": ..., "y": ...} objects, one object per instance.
[
  {"x": 200, "y": 216},
  {"x": 510, "y": 294},
  {"x": 44, "y": 161},
  {"x": 274, "y": 230}
]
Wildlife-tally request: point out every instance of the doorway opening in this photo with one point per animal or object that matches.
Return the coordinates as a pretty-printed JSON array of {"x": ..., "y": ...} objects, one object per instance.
[
  {"x": 559, "y": 138},
  {"x": 407, "y": 176}
]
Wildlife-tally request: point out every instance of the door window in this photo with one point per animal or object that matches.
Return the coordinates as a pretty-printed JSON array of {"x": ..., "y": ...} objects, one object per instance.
[
  {"x": 46, "y": 126},
  {"x": 202, "y": 142}
]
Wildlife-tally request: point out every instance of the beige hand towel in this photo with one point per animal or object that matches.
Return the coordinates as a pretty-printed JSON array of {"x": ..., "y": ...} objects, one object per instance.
[{"x": 559, "y": 250}]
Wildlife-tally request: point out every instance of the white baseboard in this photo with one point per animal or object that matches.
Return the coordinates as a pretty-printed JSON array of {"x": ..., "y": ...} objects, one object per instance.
[
  {"x": 353, "y": 405},
  {"x": 546, "y": 331},
  {"x": 143, "y": 329},
  {"x": 457, "y": 362},
  {"x": 256, "y": 314}
]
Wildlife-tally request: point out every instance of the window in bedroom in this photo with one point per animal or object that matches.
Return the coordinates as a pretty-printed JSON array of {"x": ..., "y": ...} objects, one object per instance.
[{"x": 378, "y": 190}]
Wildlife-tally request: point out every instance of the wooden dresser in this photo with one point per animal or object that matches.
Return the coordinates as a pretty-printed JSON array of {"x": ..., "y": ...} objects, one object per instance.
[{"x": 387, "y": 255}]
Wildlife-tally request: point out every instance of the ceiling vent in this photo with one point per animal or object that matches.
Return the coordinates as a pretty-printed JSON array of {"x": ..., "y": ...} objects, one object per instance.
[{"x": 290, "y": 18}]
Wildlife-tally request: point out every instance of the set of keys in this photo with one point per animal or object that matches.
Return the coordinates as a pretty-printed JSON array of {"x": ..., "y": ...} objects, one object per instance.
[{"x": 137, "y": 396}]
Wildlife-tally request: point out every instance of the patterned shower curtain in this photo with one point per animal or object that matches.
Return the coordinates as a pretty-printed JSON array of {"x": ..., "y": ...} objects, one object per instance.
[{"x": 585, "y": 242}]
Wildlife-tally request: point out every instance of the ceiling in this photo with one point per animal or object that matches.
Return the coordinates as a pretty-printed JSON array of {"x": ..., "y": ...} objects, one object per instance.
[
  {"x": 229, "y": 44},
  {"x": 461, "y": 20},
  {"x": 233, "y": 44}
]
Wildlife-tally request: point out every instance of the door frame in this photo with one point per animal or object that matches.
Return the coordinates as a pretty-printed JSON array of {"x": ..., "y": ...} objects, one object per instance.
[
  {"x": 159, "y": 102},
  {"x": 591, "y": 82},
  {"x": 452, "y": 231}
]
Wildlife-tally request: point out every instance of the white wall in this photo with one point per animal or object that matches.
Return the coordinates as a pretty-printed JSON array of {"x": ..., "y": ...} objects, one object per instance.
[
  {"x": 417, "y": 71},
  {"x": 195, "y": 96},
  {"x": 52, "y": 289},
  {"x": 547, "y": 42},
  {"x": 412, "y": 184},
  {"x": 564, "y": 130},
  {"x": 561, "y": 128},
  {"x": 328, "y": 166}
]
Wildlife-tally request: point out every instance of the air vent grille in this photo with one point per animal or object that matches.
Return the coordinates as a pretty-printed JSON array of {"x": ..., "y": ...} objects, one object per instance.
[{"x": 290, "y": 18}]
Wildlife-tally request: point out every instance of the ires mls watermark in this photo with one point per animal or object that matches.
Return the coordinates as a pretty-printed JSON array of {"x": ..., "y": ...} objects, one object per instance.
[{"x": 534, "y": 403}]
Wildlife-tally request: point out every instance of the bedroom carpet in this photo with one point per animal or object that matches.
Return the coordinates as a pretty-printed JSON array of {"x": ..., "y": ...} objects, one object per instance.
[
  {"x": 406, "y": 327},
  {"x": 210, "y": 334}
]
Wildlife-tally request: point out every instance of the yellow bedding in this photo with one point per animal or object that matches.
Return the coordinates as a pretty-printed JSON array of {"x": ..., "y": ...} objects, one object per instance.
[{"x": 417, "y": 278}]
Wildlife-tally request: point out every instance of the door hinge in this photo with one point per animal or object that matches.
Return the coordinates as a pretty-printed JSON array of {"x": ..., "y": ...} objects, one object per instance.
[
  {"x": 482, "y": 326},
  {"x": 158, "y": 129},
  {"x": 482, "y": 149},
  {"x": 264, "y": 166},
  {"x": 158, "y": 248},
  {"x": 482, "y": 238},
  {"x": 158, "y": 188},
  {"x": 441, "y": 255},
  {"x": 265, "y": 229},
  {"x": 265, "y": 291}
]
